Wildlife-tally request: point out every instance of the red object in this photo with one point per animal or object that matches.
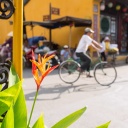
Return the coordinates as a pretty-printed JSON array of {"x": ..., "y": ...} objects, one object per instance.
[{"x": 124, "y": 9}]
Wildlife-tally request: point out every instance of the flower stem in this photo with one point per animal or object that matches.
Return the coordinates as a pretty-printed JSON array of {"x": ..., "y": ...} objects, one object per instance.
[{"x": 32, "y": 108}]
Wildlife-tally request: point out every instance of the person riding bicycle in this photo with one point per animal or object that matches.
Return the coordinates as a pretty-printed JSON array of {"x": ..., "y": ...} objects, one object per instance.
[{"x": 81, "y": 50}]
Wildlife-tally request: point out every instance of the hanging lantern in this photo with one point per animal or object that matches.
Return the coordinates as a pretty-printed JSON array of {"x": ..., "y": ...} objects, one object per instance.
[
  {"x": 118, "y": 7},
  {"x": 126, "y": 19},
  {"x": 102, "y": 7},
  {"x": 124, "y": 9},
  {"x": 110, "y": 4}
]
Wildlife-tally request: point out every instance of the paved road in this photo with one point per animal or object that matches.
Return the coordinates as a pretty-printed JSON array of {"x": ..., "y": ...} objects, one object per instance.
[{"x": 57, "y": 99}]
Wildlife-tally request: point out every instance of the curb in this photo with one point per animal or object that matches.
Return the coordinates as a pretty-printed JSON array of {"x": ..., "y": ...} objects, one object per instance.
[{"x": 120, "y": 59}]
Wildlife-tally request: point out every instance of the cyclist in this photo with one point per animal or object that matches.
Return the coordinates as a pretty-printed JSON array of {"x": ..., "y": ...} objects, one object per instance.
[{"x": 81, "y": 50}]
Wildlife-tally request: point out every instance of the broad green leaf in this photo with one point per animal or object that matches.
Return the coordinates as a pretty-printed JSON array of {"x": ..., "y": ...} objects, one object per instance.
[
  {"x": 8, "y": 97},
  {"x": 1, "y": 117},
  {"x": 67, "y": 121},
  {"x": 13, "y": 76},
  {"x": 20, "y": 111},
  {"x": 39, "y": 123},
  {"x": 104, "y": 125},
  {"x": 8, "y": 121}
]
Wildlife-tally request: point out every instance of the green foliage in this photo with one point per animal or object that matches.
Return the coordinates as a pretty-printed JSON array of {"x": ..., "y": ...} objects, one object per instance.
[
  {"x": 20, "y": 111},
  {"x": 39, "y": 123},
  {"x": 67, "y": 121},
  {"x": 13, "y": 76},
  {"x": 8, "y": 97},
  {"x": 8, "y": 121},
  {"x": 104, "y": 125},
  {"x": 12, "y": 102}
]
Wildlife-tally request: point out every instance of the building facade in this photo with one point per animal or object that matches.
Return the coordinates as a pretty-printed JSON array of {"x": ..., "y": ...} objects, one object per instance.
[
  {"x": 37, "y": 10},
  {"x": 108, "y": 20},
  {"x": 114, "y": 22}
]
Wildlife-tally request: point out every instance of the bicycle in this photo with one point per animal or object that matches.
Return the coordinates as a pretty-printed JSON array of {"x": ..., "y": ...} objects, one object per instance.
[
  {"x": 126, "y": 60},
  {"x": 104, "y": 72}
]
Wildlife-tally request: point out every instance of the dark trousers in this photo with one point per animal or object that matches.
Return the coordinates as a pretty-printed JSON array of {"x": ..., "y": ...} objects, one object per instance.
[
  {"x": 86, "y": 61},
  {"x": 103, "y": 56}
]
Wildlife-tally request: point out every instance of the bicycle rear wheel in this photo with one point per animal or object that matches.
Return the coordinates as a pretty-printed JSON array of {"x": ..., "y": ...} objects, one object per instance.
[
  {"x": 68, "y": 71},
  {"x": 105, "y": 73},
  {"x": 127, "y": 60}
]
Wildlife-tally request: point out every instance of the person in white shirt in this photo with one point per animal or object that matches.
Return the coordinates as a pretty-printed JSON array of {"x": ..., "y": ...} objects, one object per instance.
[
  {"x": 64, "y": 53},
  {"x": 102, "y": 51},
  {"x": 82, "y": 48}
]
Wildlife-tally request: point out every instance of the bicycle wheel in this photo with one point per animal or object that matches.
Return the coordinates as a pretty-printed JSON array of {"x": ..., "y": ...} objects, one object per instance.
[
  {"x": 105, "y": 73},
  {"x": 127, "y": 60},
  {"x": 68, "y": 71}
]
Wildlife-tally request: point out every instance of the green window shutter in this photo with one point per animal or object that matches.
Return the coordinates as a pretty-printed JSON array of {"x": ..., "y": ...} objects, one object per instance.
[{"x": 105, "y": 24}]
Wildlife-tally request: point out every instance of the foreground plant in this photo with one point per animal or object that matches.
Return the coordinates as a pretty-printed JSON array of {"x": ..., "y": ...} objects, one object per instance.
[
  {"x": 13, "y": 98},
  {"x": 39, "y": 71}
]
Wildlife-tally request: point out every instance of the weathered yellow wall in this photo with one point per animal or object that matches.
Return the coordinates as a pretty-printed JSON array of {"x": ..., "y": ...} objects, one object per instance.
[
  {"x": 5, "y": 28},
  {"x": 35, "y": 10},
  {"x": 81, "y": 9}
]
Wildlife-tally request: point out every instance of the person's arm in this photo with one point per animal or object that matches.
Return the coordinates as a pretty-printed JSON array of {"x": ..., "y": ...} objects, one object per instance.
[
  {"x": 98, "y": 49},
  {"x": 103, "y": 43},
  {"x": 97, "y": 45}
]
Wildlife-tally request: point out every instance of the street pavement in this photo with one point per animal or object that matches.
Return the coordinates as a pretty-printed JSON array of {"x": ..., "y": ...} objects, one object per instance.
[{"x": 57, "y": 99}]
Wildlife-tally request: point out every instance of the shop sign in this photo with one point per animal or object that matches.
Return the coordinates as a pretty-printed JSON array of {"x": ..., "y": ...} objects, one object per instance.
[
  {"x": 55, "y": 11},
  {"x": 46, "y": 17}
]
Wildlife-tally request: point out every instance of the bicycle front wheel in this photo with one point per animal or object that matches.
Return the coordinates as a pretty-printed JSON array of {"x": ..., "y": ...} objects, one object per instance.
[
  {"x": 68, "y": 71},
  {"x": 105, "y": 73}
]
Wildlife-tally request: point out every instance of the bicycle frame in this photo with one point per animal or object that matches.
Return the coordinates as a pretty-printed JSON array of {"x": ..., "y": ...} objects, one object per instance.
[
  {"x": 69, "y": 59},
  {"x": 100, "y": 61},
  {"x": 72, "y": 74},
  {"x": 79, "y": 62}
]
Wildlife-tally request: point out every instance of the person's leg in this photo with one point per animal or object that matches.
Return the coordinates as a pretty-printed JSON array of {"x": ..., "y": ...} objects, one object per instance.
[
  {"x": 86, "y": 61},
  {"x": 104, "y": 56},
  {"x": 101, "y": 55}
]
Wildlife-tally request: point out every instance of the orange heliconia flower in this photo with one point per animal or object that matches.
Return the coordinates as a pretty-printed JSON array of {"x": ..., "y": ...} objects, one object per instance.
[{"x": 40, "y": 69}]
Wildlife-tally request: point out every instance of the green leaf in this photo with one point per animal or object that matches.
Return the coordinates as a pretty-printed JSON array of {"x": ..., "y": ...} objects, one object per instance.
[
  {"x": 8, "y": 97},
  {"x": 67, "y": 121},
  {"x": 39, "y": 123},
  {"x": 104, "y": 125},
  {"x": 8, "y": 121},
  {"x": 13, "y": 76},
  {"x": 20, "y": 111}
]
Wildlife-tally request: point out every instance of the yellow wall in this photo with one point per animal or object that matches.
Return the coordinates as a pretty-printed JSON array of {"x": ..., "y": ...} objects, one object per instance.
[
  {"x": 35, "y": 10},
  {"x": 5, "y": 28},
  {"x": 81, "y": 9}
]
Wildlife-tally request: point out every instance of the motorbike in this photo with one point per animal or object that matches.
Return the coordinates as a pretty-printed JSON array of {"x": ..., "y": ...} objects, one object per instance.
[
  {"x": 28, "y": 56},
  {"x": 54, "y": 61}
]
